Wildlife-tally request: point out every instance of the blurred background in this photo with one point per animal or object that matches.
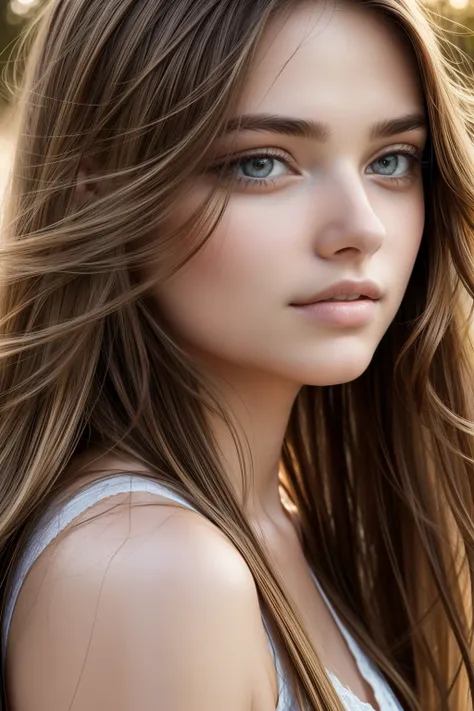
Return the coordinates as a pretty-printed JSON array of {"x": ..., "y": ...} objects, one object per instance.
[{"x": 454, "y": 17}]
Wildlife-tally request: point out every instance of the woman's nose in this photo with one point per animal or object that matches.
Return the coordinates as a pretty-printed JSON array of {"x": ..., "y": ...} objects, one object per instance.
[{"x": 350, "y": 224}]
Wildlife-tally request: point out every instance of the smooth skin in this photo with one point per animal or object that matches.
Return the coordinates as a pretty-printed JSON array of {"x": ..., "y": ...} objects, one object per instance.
[{"x": 155, "y": 610}]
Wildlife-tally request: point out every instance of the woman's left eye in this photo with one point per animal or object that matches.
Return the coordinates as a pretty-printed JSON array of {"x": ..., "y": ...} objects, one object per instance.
[{"x": 399, "y": 164}]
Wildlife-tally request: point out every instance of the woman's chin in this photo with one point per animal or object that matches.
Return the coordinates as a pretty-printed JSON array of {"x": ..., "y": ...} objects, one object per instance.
[{"x": 344, "y": 369}]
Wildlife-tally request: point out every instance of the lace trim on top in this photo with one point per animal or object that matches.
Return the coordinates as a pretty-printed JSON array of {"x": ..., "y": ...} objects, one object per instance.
[
  {"x": 386, "y": 699},
  {"x": 384, "y": 696}
]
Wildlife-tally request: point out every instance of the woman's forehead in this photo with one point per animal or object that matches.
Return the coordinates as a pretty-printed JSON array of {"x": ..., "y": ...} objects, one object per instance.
[{"x": 315, "y": 61}]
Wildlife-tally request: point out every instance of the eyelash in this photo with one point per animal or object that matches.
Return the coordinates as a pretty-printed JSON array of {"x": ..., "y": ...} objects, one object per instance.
[{"x": 411, "y": 152}]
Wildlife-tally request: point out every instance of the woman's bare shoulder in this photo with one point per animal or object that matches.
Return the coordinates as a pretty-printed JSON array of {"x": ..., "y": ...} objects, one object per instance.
[{"x": 134, "y": 599}]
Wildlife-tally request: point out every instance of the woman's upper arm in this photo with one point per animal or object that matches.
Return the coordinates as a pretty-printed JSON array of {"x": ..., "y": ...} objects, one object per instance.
[{"x": 165, "y": 619}]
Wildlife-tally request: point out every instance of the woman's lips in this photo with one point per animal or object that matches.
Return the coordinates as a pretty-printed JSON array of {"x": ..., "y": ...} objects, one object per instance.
[{"x": 341, "y": 313}]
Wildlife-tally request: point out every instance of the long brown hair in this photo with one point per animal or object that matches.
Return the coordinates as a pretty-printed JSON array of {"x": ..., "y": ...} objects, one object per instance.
[{"x": 380, "y": 469}]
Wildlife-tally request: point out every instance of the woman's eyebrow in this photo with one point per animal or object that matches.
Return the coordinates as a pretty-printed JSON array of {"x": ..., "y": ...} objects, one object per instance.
[{"x": 317, "y": 130}]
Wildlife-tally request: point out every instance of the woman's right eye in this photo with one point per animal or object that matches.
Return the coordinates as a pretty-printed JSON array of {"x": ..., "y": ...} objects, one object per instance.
[{"x": 258, "y": 169}]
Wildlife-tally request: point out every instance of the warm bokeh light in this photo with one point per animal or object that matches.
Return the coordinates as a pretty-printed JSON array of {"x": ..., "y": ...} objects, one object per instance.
[
  {"x": 459, "y": 4},
  {"x": 6, "y": 151},
  {"x": 22, "y": 7}
]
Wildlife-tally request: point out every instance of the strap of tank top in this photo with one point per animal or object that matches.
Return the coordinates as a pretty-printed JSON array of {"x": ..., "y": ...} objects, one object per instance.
[{"x": 117, "y": 484}]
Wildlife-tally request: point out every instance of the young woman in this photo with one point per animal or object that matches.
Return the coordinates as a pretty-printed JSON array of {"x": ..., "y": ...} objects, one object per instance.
[{"x": 236, "y": 393}]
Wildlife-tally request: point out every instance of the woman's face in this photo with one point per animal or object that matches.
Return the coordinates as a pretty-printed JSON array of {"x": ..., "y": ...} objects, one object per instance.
[{"x": 339, "y": 201}]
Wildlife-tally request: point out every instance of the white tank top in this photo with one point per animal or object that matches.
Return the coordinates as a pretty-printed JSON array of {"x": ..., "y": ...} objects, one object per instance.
[{"x": 51, "y": 525}]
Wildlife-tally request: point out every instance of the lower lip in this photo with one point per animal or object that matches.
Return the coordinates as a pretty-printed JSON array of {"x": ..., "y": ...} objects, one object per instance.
[{"x": 341, "y": 313}]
